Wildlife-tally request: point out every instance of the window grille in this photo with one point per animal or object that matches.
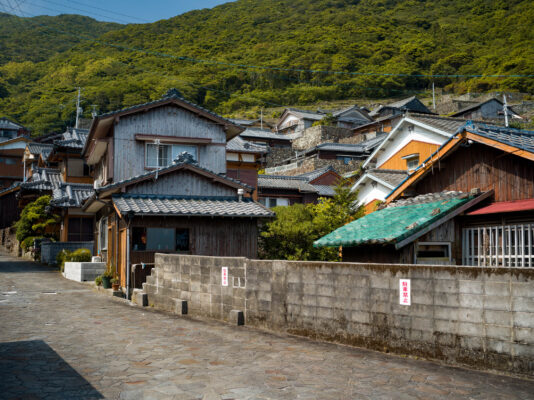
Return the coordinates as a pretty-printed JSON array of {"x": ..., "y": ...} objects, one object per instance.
[{"x": 499, "y": 246}]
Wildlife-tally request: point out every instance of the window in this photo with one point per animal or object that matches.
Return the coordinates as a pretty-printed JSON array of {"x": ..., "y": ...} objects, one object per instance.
[
  {"x": 271, "y": 202},
  {"x": 433, "y": 253},
  {"x": 160, "y": 239},
  {"x": 103, "y": 234},
  {"x": 162, "y": 155},
  {"x": 8, "y": 160},
  {"x": 412, "y": 161},
  {"x": 346, "y": 159},
  {"x": 80, "y": 229},
  {"x": 75, "y": 167}
]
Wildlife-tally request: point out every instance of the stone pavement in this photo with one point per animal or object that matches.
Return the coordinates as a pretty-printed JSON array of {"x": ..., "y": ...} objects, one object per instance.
[{"x": 61, "y": 340}]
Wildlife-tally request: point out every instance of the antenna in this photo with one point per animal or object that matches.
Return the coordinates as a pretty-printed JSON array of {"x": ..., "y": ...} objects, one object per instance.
[
  {"x": 433, "y": 97},
  {"x": 505, "y": 109},
  {"x": 261, "y": 119}
]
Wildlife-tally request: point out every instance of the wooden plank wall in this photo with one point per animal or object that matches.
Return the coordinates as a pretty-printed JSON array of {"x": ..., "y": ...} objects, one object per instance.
[
  {"x": 415, "y": 146},
  {"x": 479, "y": 166},
  {"x": 129, "y": 159}
]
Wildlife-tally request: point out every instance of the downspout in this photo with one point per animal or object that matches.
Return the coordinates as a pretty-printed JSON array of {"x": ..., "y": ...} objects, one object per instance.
[{"x": 128, "y": 297}]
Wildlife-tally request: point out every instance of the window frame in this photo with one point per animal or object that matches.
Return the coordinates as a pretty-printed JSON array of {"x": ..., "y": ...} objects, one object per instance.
[
  {"x": 171, "y": 158},
  {"x": 416, "y": 250}
]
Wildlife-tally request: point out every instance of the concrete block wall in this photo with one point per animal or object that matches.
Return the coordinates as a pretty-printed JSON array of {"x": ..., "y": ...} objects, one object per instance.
[
  {"x": 8, "y": 241},
  {"x": 83, "y": 271},
  {"x": 483, "y": 317},
  {"x": 50, "y": 250}
]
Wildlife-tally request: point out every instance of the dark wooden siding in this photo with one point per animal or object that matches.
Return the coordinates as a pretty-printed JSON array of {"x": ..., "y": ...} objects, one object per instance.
[
  {"x": 9, "y": 209},
  {"x": 480, "y": 166}
]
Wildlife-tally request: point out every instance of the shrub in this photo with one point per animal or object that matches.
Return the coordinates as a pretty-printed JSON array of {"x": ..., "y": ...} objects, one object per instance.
[
  {"x": 80, "y": 255},
  {"x": 35, "y": 220},
  {"x": 98, "y": 281},
  {"x": 61, "y": 258}
]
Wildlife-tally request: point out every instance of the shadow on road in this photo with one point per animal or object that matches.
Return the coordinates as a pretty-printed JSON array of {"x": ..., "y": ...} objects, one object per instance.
[
  {"x": 11, "y": 266},
  {"x": 32, "y": 370}
]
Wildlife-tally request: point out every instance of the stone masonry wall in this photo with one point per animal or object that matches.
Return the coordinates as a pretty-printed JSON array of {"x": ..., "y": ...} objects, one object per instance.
[
  {"x": 461, "y": 315},
  {"x": 9, "y": 242},
  {"x": 316, "y": 135}
]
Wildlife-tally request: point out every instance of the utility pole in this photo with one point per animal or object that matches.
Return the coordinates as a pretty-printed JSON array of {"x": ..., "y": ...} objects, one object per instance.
[
  {"x": 433, "y": 97},
  {"x": 78, "y": 108},
  {"x": 261, "y": 119},
  {"x": 505, "y": 109}
]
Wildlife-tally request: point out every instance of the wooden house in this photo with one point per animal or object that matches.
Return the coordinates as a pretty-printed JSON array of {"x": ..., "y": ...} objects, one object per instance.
[
  {"x": 243, "y": 161},
  {"x": 492, "y": 110},
  {"x": 470, "y": 203},
  {"x": 412, "y": 140},
  {"x": 11, "y": 161},
  {"x": 282, "y": 190},
  {"x": 11, "y": 130},
  {"x": 410, "y": 104},
  {"x": 161, "y": 186},
  {"x": 296, "y": 121},
  {"x": 271, "y": 139}
]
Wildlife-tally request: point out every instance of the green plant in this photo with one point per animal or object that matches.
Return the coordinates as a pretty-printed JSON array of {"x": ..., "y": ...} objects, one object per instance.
[
  {"x": 61, "y": 257},
  {"x": 36, "y": 222},
  {"x": 80, "y": 255},
  {"x": 108, "y": 273},
  {"x": 114, "y": 280},
  {"x": 98, "y": 281}
]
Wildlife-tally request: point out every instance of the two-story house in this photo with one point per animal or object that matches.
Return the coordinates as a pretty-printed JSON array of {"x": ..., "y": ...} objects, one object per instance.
[{"x": 161, "y": 186}]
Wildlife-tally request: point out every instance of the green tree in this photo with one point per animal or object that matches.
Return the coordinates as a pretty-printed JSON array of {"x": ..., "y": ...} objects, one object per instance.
[
  {"x": 291, "y": 234},
  {"x": 36, "y": 221}
]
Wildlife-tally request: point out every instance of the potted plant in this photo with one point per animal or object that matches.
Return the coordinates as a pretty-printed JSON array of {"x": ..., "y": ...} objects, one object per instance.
[
  {"x": 115, "y": 284},
  {"x": 106, "y": 279}
]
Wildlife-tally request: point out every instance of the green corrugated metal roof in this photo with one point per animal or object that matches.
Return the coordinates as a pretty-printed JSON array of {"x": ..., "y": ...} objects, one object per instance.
[{"x": 391, "y": 224}]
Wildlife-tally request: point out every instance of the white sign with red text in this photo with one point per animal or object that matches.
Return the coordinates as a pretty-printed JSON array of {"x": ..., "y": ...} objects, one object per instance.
[
  {"x": 224, "y": 276},
  {"x": 404, "y": 292}
]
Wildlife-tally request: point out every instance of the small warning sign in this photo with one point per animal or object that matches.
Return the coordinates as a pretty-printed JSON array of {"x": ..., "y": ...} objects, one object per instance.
[
  {"x": 404, "y": 292},
  {"x": 224, "y": 276}
]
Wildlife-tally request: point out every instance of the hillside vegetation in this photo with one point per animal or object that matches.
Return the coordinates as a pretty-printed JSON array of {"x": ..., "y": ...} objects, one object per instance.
[{"x": 411, "y": 37}]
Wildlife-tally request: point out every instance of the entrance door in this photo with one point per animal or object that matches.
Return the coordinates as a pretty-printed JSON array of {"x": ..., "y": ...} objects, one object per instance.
[{"x": 122, "y": 256}]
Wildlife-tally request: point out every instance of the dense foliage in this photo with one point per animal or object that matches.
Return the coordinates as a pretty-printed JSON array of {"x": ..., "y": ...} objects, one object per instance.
[
  {"x": 78, "y": 255},
  {"x": 411, "y": 37},
  {"x": 291, "y": 234},
  {"x": 36, "y": 222}
]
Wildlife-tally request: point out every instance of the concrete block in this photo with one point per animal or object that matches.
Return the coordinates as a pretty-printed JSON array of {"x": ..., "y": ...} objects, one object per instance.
[
  {"x": 237, "y": 317},
  {"x": 499, "y": 332},
  {"x": 180, "y": 307},
  {"x": 470, "y": 315},
  {"x": 471, "y": 287},
  {"x": 140, "y": 298},
  {"x": 421, "y": 297},
  {"x": 524, "y": 335},
  {"x": 445, "y": 326},
  {"x": 523, "y": 289},
  {"x": 523, "y": 319},
  {"x": 325, "y": 301},
  {"x": 471, "y": 300},
  {"x": 446, "y": 313},
  {"x": 324, "y": 290},
  {"x": 83, "y": 271},
  {"x": 379, "y": 282},
  {"x": 443, "y": 285},
  {"x": 497, "y": 288},
  {"x": 503, "y": 318},
  {"x": 525, "y": 304},
  {"x": 499, "y": 346},
  {"x": 325, "y": 313},
  {"x": 522, "y": 350},
  {"x": 422, "y": 324},
  {"x": 468, "y": 329},
  {"x": 446, "y": 299},
  {"x": 499, "y": 303}
]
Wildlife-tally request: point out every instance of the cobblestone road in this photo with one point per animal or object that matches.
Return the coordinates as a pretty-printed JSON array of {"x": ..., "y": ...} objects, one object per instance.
[{"x": 60, "y": 340}]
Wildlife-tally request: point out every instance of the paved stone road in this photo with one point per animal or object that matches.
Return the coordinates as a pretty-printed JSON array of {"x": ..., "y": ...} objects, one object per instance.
[{"x": 60, "y": 340}]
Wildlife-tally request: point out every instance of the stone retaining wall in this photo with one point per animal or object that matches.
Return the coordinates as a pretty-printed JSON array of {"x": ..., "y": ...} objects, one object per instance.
[
  {"x": 467, "y": 315},
  {"x": 8, "y": 242}
]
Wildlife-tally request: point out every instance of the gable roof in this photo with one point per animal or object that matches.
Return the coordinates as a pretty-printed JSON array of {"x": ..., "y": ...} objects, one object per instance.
[
  {"x": 312, "y": 175},
  {"x": 240, "y": 145},
  {"x": 443, "y": 126},
  {"x": 285, "y": 182},
  {"x": 409, "y": 104},
  {"x": 43, "y": 149},
  {"x": 74, "y": 138},
  {"x": 514, "y": 141},
  {"x": 190, "y": 206},
  {"x": 103, "y": 122},
  {"x": 175, "y": 167},
  {"x": 6, "y": 123},
  {"x": 391, "y": 177},
  {"x": 14, "y": 140},
  {"x": 401, "y": 223},
  {"x": 71, "y": 194},
  {"x": 478, "y": 105},
  {"x": 257, "y": 133}
]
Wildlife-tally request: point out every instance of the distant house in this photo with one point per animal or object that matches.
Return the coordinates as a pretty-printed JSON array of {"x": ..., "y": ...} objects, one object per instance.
[
  {"x": 243, "y": 161},
  {"x": 470, "y": 203},
  {"x": 296, "y": 121},
  {"x": 345, "y": 152},
  {"x": 380, "y": 125},
  {"x": 412, "y": 140},
  {"x": 351, "y": 117},
  {"x": 282, "y": 190},
  {"x": 11, "y": 161},
  {"x": 252, "y": 123},
  {"x": 263, "y": 136},
  {"x": 492, "y": 109},
  {"x": 11, "y": 130},
  {"x": 161, "y": 186},
  {"x": 412, "y": 104}
]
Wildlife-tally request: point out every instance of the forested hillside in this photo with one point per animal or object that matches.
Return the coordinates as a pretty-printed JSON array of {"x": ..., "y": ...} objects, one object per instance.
[{"x": 210, "y": 55}]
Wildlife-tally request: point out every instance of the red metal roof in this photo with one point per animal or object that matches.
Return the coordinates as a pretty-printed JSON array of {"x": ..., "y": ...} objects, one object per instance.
[{"x": 505, "y": 206}]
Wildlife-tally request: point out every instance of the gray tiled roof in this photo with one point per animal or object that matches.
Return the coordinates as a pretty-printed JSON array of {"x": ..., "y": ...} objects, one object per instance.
[
  {"x": 40, "y": 148},
  {"x": 449, "y": 125},
  {"x": 519, "y": 138},
  {"x": 325, "y": 190},
  {"x": 285, "y": 182},
  {"x": 51, "y": 175},
  {"x": 391, "y": 176},
  {"x": 306, "y": 114},
  {"x": 8, "y": 124},
  {"x": 403, "y": 105},
  {"x": 196, "y": 207},
  {"x": 265, "y": 134},
  {"x": 429, "y": 198},
  {"x": 73, "y": 138},
  {"x": 310, "y": 176},
  {"x": 238, "y": 144},
  {"x": 71, "y": 194},
  {"x": 244, "y": 122},
  {"x": 163, "y": 170}
]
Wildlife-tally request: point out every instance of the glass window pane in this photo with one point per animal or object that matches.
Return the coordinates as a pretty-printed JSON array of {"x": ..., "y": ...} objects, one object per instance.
[
  {"x": 151, "y": 155},
  {"x": 160, "y": 239},
  {"x": 282, "y": 202},
  {"x": 138, "y": 238},
  {"x": 182, "y": 239},
  {"x": 164, "y": 155},
  {"x": 177, "y": 149}
]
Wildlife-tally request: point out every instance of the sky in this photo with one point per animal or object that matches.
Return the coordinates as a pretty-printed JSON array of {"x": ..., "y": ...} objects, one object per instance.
[{"x": 121, "y": 11}]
